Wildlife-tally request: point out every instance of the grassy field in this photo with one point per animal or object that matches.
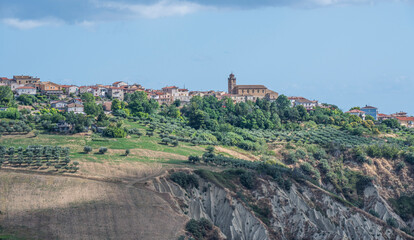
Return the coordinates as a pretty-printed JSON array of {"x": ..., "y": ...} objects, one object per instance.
[{"x": 116, "y": 147}]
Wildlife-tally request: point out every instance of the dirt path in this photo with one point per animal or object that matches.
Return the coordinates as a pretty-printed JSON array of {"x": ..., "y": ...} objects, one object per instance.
[{"x": 237, "y": 154}]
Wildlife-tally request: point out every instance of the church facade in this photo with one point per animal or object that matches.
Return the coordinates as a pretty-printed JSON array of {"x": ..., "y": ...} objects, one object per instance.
[{"x": 250, "y": 91}]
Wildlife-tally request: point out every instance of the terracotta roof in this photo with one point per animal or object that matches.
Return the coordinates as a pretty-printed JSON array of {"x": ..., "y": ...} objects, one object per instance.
[
  {"x": 251, "y": 86},
  {"x": 118, "y": 82},
  {"x": 355, "y": 111},
  {"x": 369, "y": 107},
  {"x": 4, "y": 78},
  {"x": 171, "y": 87},
  {"x": 383, "y": 115},
  {"x": 25, "y": 87},
  {"x": 405, "y": 118},
  {"x": 183, "y": 90}
]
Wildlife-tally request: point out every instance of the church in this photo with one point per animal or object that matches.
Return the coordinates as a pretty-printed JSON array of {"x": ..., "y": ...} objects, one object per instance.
[{"x": 251, "y": 92}]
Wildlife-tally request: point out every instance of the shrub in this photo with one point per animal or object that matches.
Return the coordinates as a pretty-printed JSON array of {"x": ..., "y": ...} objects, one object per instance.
[
  {"x": 184, "y": 180},
  {"x": 392, "y": 222},
  {"x": 290, "y": 157},
  {"x": 374, "y": 213},
  {"x": 324, "y": 166},
  {"x": 409, "y": 157},
  {"x": 201, "y": 229},
  {"x": 127, "y": 152},
  {"x": 103, "y": 150},
  {"x": 400, "y": 166},
  {"x": 87, "y": 149},
  {"x": 114, "y": 132},
  {"x": 319, "y": 154},
  {"x": 194, "y": 159},
  {"x": 248, "y": 180}
]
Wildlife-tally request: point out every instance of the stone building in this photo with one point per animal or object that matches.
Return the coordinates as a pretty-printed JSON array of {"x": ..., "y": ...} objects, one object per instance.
[
  {"x": 23, "y": 80},
  {"x": 251, "y": 91}
]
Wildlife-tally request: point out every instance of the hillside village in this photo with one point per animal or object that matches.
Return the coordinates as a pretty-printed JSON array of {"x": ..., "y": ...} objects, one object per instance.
[
  {"x": 282, "y": 167},
  {"x": 67, "y": 97}
]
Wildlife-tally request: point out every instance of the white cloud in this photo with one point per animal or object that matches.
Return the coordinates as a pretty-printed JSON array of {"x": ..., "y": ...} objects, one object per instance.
[
  {"x": 86, "y": 24},
  {"x": 29, "y": 24},
  {"x": 164, "y": 8}
]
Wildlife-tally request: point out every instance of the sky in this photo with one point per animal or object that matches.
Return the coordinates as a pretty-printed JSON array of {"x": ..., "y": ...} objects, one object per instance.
[{"x": 345, "y": 52}]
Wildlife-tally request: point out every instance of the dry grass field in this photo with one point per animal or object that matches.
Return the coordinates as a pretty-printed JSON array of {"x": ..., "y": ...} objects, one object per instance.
[
  {"x": 103, "y": 199},
  {"x": 58, "y": 207}
]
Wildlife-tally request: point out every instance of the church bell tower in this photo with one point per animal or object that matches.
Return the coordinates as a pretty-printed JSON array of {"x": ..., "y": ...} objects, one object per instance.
[{"x": 232, "y": 83}]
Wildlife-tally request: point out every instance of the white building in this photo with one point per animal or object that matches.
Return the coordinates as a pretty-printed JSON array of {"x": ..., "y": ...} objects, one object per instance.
[
  {"x": 71, "y": 89},
  {"x": 74, "y": 107},
  {"x": 358, "y": 113},
  {"x": 308, "y": 104},
  {"x": 182, "y": 95},
  {"x": 25, "y": 90},
  {"x": 119, "y": 84},
  {"x": 59, "y": 104}
]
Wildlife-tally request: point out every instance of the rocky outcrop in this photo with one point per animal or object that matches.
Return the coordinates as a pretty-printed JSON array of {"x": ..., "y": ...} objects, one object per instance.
[
  {"x": 303, "y": 212},
  {"x": 375, "y": 202},
  {"x": 216, "y": 204},
  {"x": 309, "y": 213}
]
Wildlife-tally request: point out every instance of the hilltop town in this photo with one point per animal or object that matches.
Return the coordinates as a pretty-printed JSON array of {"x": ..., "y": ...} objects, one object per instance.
[
  {"x": 120, "y": 161},
  {"x": 67, "y": 97}
]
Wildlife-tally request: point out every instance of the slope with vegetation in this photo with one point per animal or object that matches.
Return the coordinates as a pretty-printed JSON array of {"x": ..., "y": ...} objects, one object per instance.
[{"x": 264, "y": 154}]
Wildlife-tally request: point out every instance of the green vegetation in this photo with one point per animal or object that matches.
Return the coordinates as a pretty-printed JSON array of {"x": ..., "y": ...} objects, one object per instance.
[
  {"x": 202, "y": 229},
  {"x": 37, "y": 157},
  {"x": 184, "y": 180},
  {"x": 404, "y": 206}
]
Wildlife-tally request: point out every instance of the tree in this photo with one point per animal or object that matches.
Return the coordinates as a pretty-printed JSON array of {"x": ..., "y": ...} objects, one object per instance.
[
  {"x": 177, "y": 102},
  {"x": 91, "y": 108},
  {"x": 197, "y": 119},
  {"x": 194, "y": 159},
  {"x": 282, "y": 102},
  {"x": 138, "y": 102},
  {"x": 87, "y": 97},
  {"x": 103, "y": 150},
  {"x": 87, "y": 149},
  {"x": 116, "y": 105},
  {"x": 6, "y": 96},
  {"x": 26, "y": 99},
  {"x": 391, "y": 123}
]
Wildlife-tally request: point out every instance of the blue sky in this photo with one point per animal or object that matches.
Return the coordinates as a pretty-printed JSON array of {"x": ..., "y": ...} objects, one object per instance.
[{"x": 345, "y": 52}]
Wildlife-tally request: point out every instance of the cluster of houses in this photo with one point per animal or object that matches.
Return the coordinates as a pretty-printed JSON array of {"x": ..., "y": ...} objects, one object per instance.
[
  {"x": 401, "y": 117},
  {"x": 167, "y": 95}
]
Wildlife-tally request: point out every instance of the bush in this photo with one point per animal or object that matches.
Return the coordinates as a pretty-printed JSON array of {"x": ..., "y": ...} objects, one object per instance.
[
  {"x": 374, "y": 213},
  {"x": 248, "y": 180},
  {"x": 400, "y": 166},
  {"x": 103, "y": 150},
  {"x": 392, "y": 222},
  {"x": 290, "y": 157},
  {"x": 184, "y": 180},
  {"x": 114, "y": 132},
  {"x": 201, "y": 229},
  {"x": 319, "y": 154},
  {"x": 194, "y": 159},
  {"x": 409, "y": 157},
  {"x": 87, "y": 149},
  {"x": 127, "y": 152}
]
